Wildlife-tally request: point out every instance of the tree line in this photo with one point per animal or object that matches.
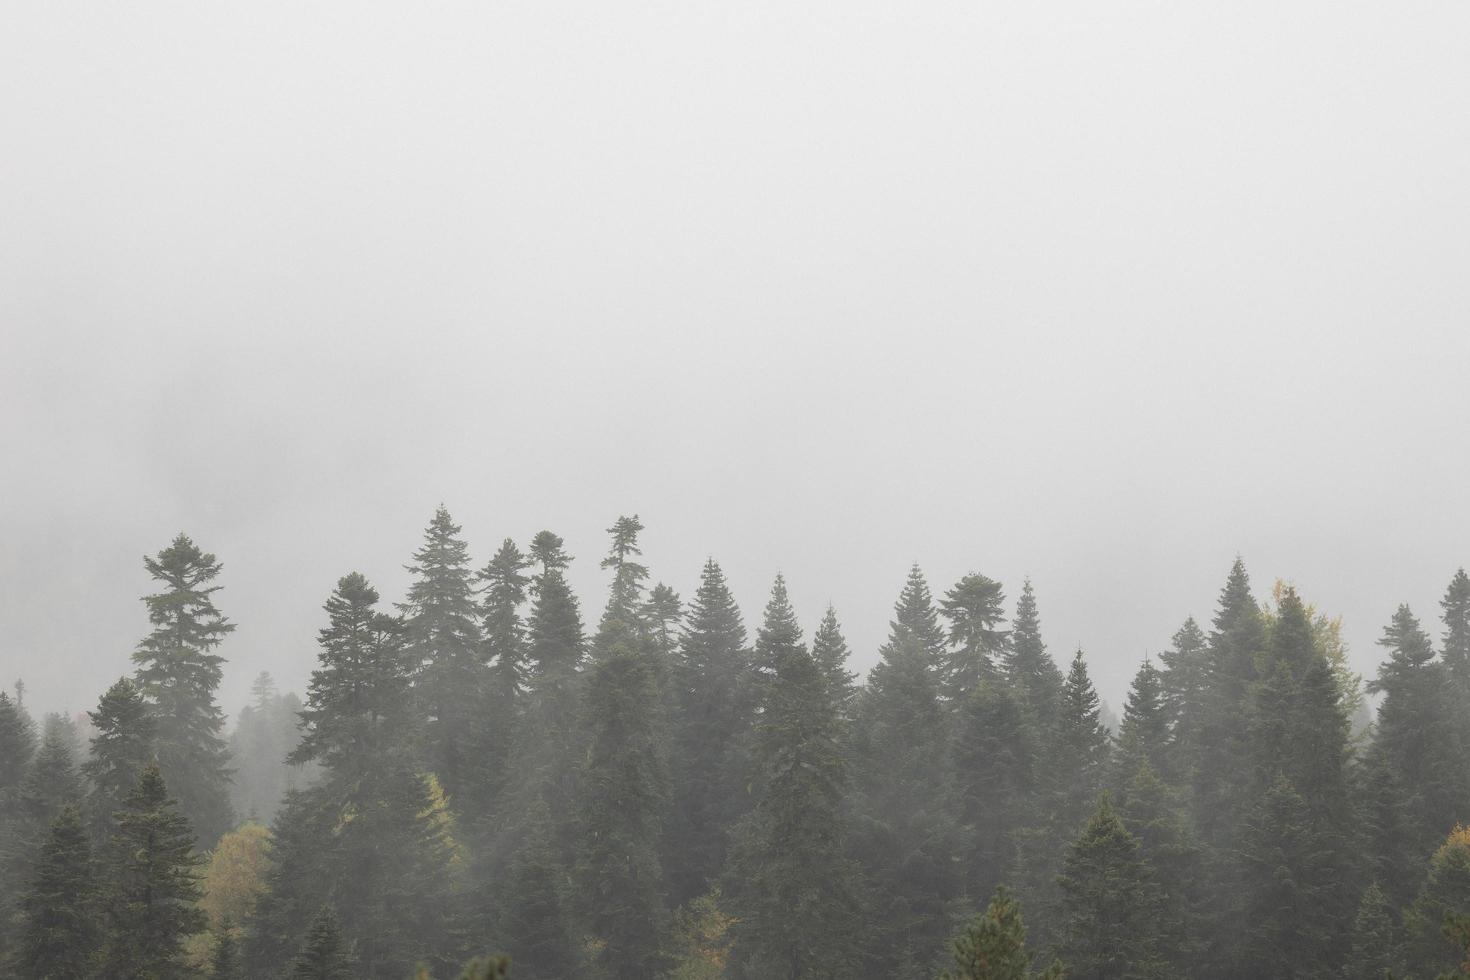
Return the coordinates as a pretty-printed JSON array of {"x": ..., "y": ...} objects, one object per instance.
[{"x": 660, "y": 794}]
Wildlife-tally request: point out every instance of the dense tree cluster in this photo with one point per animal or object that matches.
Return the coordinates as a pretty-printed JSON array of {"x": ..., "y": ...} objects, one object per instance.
[{"x": 667, "y": 794}]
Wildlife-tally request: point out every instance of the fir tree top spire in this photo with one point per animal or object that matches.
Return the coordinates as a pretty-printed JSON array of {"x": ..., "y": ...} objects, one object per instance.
[
  {"x": 914, "y": 615},
  {"x": 1456, "y": 606},
  {"x": 779, "y": 632}
]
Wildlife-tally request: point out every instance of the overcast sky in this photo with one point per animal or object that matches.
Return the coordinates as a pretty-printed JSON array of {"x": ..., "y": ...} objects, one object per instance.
[{"x": 1099, "y": 293}]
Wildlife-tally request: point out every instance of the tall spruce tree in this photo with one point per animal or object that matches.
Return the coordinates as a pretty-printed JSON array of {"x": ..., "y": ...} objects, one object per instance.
[
  {"x": 154, "y": 885},
  {"x": 915, "y": 616},
  {"x": 714, "y": 712},
  {"x": 1185, "y": 681},
  {"x": 1419, "y": 733},
  {"x": 443, "y": 642},
  {"x": 121, "y": 747},
  {"x": 1028, "y": 666},
  {"x": 266, "y": 732},
  {"x": 1292, "y": 924},
  {"x": 1456, "y": 615},
  {"x": 792, "y": 891},
  {"x": 975, "y": 608},
  {"x": 179, "y": 673},
  {"x": 995, "y": 773},
  {"x": 61, "y": 936},
  {"x": 908, "y": 832},
  {"x": 1222, "y": 779},
  {"x": 829, "y": 650},
  {"x": 1083, "y": 744},
  {"x": 497, "y": 720},
  {"x": 533, "y": 910},
  {"x": 1145, "y": 731},
  {"x": 1375, "y": 950},
  {"x": 1111, "y": 904},
  {"x": 371, "y": 828},
  {"x": 17, "y": 742},
  {"x": 624, "y": 778},
  {"x": 357, "y": 714},
  {"x": 548, "y": 745}
]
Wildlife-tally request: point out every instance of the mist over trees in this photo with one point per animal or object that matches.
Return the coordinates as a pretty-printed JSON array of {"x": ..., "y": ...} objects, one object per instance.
[{"x": 667, "y": 789}]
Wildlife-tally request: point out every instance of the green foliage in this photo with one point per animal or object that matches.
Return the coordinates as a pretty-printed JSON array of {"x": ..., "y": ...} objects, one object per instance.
[
  {"x": 121, "y": 747},
  {"x": 324, "y": 955},
  {"x": 1293, "y": 925},
  {"x": 792, "y": 891},
  {"x": 266, "y": 733},
  {"x": 443, "y": 646},
  {"x": 178, "y": 673},
  {"x": 975, "y": 608},
  {"x": 356, "y": 716},
  {"x": 1028, "y": 666},
  {"x": 17, "y": 742},
  {"x": 153, "y": 885},
  {"x": 1374, "y": 951},
  {"x": 993, "y": 946},
  {"x": 61, "y": 936},
  {"x": 1145, "y": 735},
  {"x": 1110, "y": 903},
  {"x": 714, "y": 708}
]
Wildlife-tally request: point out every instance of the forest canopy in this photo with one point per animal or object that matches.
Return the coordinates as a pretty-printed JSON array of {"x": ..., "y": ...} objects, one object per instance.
[{"x": 483, "y": 780}]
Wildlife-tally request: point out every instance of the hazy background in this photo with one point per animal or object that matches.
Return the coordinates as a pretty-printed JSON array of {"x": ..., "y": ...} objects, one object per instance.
[{"x": 1099, "y": 293}]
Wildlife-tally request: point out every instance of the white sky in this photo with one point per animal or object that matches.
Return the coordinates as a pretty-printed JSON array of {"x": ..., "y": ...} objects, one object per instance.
[{"x": 1099, "y": 293}]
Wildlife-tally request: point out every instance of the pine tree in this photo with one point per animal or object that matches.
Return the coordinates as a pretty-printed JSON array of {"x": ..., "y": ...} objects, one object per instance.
[
  {"x": 975, "y": 608},
  {"x": 548, "y": 744},
  {"x": 17, "y": 742},
  {"x": 393, "y": 862},
  {"x": 1184, "y": 681},
  {"x": 505, "y": 583},
  {"x": 443, "y": 643},
  {"x": 1419, "y": 733},
  {"x": 1145, "y": 731},
  {"x": 151, "y": 905},
  {"x": 1443, "y": 898},
  {"x": 908, "y": 834},
  {"x": 534, "y": 919},
  {"x": 324, "y": 955},
  {"x": 1375, "y": 943},
  {"x": 1292, "y": 926},
  {"x": 625, "y": 777},
  {"x": 355, "y": 717},
  {"x": 1167, "y": 842},
  {"x": 371, "y": 828},
  {"x": 1110, "y": 903},
  {"x": 995, "y": 772},
  {"x": 298, "y": 882},
  {"x": 993, "y": 946},
  {"x": 1028, "y": 666},
  {"x": 61, "y": 938},
  {"x": 224, "y": 961},
  {"x": 714, "y": 712},
  {"x": 1083, "y": 744},
  {"x": 829, "y": 650},
  {"x": 915, "y": 616},
  {"x": 1222, "y": 780},
  {"x": 1456, "y": 607},
  {"x": 793, "y": 893},
  {"x": 179, "y": 672},
  {"x": 266, "y": 732},
  {"x": 121, "y": 748}
]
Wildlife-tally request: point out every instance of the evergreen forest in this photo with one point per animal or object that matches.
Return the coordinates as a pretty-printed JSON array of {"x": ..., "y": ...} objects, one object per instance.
[{"x": 493, "y": 777}]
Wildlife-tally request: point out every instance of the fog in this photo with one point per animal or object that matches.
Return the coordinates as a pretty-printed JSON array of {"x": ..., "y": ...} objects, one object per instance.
[{"x": 1102, "y": 295}]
